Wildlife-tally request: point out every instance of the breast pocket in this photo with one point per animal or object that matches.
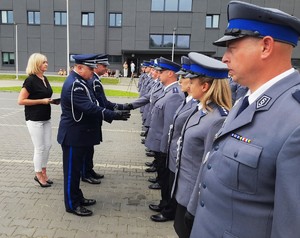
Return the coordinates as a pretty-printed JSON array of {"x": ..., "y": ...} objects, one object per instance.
[{"x": 238, "y": 168}]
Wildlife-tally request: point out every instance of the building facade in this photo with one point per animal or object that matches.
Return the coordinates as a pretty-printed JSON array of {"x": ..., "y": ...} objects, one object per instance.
[{"x": 127, "y": 30}]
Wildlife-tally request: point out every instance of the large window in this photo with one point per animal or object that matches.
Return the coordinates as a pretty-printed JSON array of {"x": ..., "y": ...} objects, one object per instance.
[
  {"x": 166, "y": 41},
  {"x": 88, "y": 19},
  {"x": 212, "y": 21},
  {"x": 60, "y": 18},
  {"x": 115, "y": 58},
  {"x": 8, "y": 58},
  {"x": 34, "y": 18},
  {"x": 172, "y": 5},
  {"x": 7, "y": 17},
  {"x": 115, "y": 19}
]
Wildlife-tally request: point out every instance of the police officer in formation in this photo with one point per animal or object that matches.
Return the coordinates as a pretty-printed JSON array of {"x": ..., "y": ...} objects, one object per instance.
[
  {"x": 209, "y": 85},
  {"x": 249, "y": 182},
  {"x": 80, "y": 129},
  {"x": 161, "y": 118},
  {"x": 181, "y": 114}
]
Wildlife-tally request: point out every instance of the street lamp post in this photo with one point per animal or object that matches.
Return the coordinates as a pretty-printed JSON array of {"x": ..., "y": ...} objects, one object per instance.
[
  {"x": 173, "y": 43},
  {"x": 17, "y": 51},
  {"x": 68, "y": 39}
]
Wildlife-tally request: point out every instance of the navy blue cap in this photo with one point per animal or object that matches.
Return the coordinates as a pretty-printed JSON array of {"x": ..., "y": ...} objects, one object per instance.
[
  {"x": 165, "y": 64},
  {"x": 102, "y": 59},
  {"x": 185, "y": 66},
  {"x": 146, "y": 64},
  {"x": 86, "y": 59},
  {"x": 245, "y": 19},
  {"x": 204, "y": 66}
]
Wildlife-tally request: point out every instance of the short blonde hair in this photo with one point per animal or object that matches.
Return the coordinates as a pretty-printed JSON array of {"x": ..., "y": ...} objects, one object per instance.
[
  {"x": 35, "y": 61},
  {"x": 219, "y": 93}
]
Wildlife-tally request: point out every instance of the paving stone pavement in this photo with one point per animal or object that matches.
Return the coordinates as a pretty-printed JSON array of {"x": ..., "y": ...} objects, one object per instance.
[{"x": 27, "y": 210}]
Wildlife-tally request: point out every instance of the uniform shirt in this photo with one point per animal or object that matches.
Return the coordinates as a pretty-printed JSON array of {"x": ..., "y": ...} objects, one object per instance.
[{"x": 37, "y": 90}]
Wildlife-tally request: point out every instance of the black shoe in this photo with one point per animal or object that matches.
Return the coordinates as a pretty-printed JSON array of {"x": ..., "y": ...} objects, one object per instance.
[
  {"x": 152, "y": 180},
  {"x": 143, "y": 133},
  {"x": 46, "y": 185},
  {"x": 159, "y": 218},
  {"x": 91, "y": 180},
  {"x": 96, "y": 175},
  {"x": 149, "y": 164},
  {"x": 150, "y": 154},
  {"x": 80, "y": 211},
  {"x": 150, "y": 170},
  {"x": 49, "y": 181},
  {"x": 155, "y": 208},
  {"x": 143, "y": 141},
  {"x": 154, "y": 186},
  {"x": 87, "y": 202}
]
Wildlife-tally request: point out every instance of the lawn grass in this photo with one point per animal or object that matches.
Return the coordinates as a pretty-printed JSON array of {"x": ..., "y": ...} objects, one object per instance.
[
  {"x": 53, "y": 78},
  {"x": 56, "y": 89}
]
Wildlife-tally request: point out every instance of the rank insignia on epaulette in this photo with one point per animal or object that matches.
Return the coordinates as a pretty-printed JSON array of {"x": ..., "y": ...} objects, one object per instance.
[
  {"x": 296, "y": 95},
  {"x": 263, "y": 101},
  {"x": 175, "y": 90}
]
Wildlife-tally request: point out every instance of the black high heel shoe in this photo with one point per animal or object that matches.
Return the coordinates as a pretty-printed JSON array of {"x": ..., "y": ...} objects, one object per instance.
[{"x": 42, "y": 185}]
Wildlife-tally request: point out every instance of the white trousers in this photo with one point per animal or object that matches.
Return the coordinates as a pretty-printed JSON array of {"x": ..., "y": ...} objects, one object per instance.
[{"x": 41, "y": 134}]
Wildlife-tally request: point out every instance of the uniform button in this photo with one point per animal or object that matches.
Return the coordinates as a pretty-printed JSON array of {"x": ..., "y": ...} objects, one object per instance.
[
  {"x": 204, "y": 185},
  {"x": 216, "y": 147},
  {"x": 209, "y": 166},
  {"x": 199, "y": 185},
  {"x": 202, "y": 204},
  {"x": 235, "y": 154}
]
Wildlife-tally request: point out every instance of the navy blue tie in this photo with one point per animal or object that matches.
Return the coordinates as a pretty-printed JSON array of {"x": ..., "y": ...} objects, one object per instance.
[{"x": 243, "y": 106}]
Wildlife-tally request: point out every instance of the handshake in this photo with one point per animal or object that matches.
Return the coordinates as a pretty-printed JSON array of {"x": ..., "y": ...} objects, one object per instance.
[{"x": 121, "y": 115}]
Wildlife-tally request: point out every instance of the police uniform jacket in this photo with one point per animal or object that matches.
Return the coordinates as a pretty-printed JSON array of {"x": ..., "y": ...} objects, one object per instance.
[
  {"x": 196, "y": 137},
  {"x": 162, "y": 116},
  {"x": 179, "y": 119},
  {"x": 156, "y": 92},
  {"x": 250, "y": 181},
  {"x": 81, "y": 117},
  {"x": 96, "y": 85}
]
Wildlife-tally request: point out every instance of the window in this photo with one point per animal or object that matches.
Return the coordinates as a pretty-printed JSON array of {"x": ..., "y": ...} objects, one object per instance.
[
  {"x": 60, "y": 18},
  {"x": 34, "y": 18},
  {"x": 212, "y": 21},
  {"x": 115, "y": 58},
  {"x": 8, "y": 58},
  {"x": 7, "y": 17},
  {"x": 115, "y": 19},
  {"x": 172, "y": 5},
  {"x": 88, "y": 19},
  {"x": 166, "y": 41}
]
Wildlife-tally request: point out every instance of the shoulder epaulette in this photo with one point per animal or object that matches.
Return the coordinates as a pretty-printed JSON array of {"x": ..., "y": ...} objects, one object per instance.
[
  {"x": 223, "y": 111},
  {"x": 296, "y": 96},
  {"x": 175, "y": 90}
]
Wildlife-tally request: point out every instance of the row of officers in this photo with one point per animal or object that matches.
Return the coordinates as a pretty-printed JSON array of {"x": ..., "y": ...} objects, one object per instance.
[{"x": 226, "y": 167}]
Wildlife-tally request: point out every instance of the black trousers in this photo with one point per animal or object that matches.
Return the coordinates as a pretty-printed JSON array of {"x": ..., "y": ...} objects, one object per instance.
[
  {"x": 170, "y": 209},
  {"x": 72, "y": 165},
  {"x": 181, "y": 229},
  {"x": 88, "y": 163},
  {"x": 162, "y": 177}
]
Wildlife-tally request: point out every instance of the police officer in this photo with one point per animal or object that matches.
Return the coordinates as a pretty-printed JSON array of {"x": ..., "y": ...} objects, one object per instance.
[
  {"x": 79, "y": 129},
  {"x": 101, "y": 61},
  {"x": 249, "y": 185},
  {"x": 161, "y": 118},
  {"x": 183, "y": 111},
  {"x": 209, "y": 85}
]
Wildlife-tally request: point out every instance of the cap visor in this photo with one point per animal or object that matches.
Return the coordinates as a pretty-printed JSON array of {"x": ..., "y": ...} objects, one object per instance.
[
  {"x": 181, "y": 72},
  {"x": 191, "y": 76},
  {"x": 158, "y": 68},
  {"x": 223, "y": 40}
]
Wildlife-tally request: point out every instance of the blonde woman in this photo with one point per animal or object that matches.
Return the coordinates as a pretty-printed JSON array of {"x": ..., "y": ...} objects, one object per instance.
[
  {"x": 209, "y": 85},
  {"x": 35, "y": 95}
]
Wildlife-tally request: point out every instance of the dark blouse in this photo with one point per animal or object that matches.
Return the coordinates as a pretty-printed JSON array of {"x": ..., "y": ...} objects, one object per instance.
[{"x": 37, "y": 90}]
